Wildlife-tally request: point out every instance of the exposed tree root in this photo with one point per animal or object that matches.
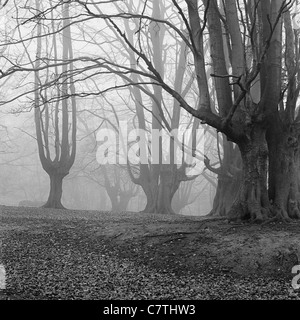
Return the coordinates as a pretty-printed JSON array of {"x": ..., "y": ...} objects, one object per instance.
[{"x": 248, "y": 206}]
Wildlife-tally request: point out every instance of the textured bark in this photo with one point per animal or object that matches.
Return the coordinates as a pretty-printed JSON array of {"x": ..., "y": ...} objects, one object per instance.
[
  {"x": 151, "y": 193},
  {"x": 252, "y": 201},
  {"x": 159, "y": 197},
  {"x": 284, "y": 190},
  {"x": 159, "y": 200},
  {"x": 55, "y": 194},
  {"x": 169, "y": 184},
  {"x": 226, "y": 193},
  {"x": 229, "y": 180}
]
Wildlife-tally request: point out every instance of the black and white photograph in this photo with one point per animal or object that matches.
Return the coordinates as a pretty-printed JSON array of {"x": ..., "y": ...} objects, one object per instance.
[{"x": 149, "y": 154}]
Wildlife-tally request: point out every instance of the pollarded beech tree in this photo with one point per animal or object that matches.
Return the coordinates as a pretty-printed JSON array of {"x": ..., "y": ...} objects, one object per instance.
[
  {"x": 46, "y": 116},
  {"x": 119, "y": 187},
  {"x": 228, "y": 170},
  {"x": 114, "y": 179},
  {"x": 256, "y": 92},
  {"x": 283, "y": 118},
  {"x": 159, "y": 180},
  {"x": 257, "y": 74},
  {"x": 265, "y": 84}
]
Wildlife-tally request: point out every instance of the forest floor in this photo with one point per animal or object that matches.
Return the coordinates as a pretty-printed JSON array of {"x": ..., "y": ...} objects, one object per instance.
[{"x": 67, "y": 254}]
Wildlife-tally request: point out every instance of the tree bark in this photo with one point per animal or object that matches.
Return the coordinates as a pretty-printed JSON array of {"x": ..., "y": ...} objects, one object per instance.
[
  {"x": 166, "y": 191},
  {"x": 65, "y": 150},
  {"x": 55, "y": 194},
  {"x": 151, "y": 196},
  {"x": 159, "y": 197},
  {"x": 226, "y": 193},
  {"x": 229, "y": 179},
  {"x": 162, "y": 203},
  {"x": 252, "y": 201},
  {"x": 284, "y": 190}
]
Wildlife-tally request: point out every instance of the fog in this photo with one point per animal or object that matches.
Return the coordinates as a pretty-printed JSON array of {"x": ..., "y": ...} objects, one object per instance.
[
  {"x": 23, "y": 178},
  {"x": 31, "y": 119}
]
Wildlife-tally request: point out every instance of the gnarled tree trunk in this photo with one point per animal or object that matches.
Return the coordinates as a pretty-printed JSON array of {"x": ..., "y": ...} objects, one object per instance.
[
  {"x": 284, "y": 190},
  {"x": 229, "y": 179},
  {"x": 252, "y": 201},
  {"x": 227, "y": 190},
  {"x": 159, "y": 197}
]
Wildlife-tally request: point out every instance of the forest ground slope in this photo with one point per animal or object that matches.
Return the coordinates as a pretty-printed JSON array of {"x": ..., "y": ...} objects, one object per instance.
[{"x": 67, "y": 254}]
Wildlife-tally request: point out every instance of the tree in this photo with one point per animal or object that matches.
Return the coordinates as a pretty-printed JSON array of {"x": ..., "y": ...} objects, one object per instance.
[
  {"x": 113, "y": 178},
  {"x": 160, "y": 179},
  {"x": 64, "y": 150},
  {"x": 283, "y": 119},
  {"x": 245, "y": 61},
  {"x": 229, "y": 175},
  {"x": 118, "y": 187},
  {"x": 251, "y": 96}
]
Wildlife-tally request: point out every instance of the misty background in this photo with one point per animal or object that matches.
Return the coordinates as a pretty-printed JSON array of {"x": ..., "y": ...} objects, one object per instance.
[
  {"x": 23, "y": 178},
  {"x": 89, "y": 185}
]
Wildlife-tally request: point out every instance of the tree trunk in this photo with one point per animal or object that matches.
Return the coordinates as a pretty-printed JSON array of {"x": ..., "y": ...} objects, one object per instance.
[
  {"x": 163, "y": 201},
  {"x": 226, "y": 193},
  {"x": 159, "y": 197},
  {"x": 252, "y": 201},
  {"x": 283, "y": 173},
  {"x": 165, "y": 196},
  {"x": 230, "y": 176},
  {"x": 55, "y": 195},
  {"x": 151, "y": 193}
]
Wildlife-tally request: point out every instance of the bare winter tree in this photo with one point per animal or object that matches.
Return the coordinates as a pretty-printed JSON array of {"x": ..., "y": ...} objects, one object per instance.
[
  {"x": 58, "y": 166},
  {"x": 245, "y": 60},
  {"x": 114, "y": 178},
  {"x": 159, "y": 180},
  {"x": 260, "y": 86}
]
